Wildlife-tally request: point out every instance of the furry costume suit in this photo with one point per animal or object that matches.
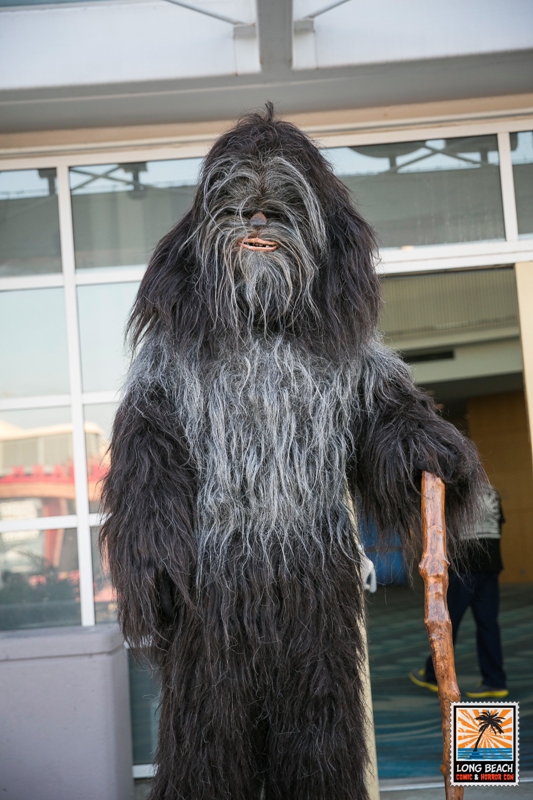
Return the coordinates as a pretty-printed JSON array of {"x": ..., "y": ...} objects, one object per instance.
[{"x": 259, "y": 395}]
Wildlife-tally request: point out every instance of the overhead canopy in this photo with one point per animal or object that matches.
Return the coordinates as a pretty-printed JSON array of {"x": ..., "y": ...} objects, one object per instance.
[{"x": 124, "y": 62}]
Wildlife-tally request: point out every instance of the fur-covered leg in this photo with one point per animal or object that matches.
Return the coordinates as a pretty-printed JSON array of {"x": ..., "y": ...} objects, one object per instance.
[
  {"x": 210, "y": 739},
  {"x": 261, "y": 688},
  {"x": 317, "y": 747}
]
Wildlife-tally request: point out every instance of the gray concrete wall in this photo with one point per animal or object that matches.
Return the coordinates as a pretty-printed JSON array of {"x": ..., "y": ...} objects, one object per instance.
[{"x": 65, "y": 731}]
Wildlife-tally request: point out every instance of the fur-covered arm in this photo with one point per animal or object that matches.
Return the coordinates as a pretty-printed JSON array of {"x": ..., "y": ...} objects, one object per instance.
[
  {"x": 399, "y": 433},
  {"x": 147, "y": 538}
]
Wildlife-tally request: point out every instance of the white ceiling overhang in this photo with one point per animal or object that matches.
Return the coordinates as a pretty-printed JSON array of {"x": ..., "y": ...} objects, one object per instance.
[
  {"x": 134, "y": 62},
  {"x": 123, "y": 42}
]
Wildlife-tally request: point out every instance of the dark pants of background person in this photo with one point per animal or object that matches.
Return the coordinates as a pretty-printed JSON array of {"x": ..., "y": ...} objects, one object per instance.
[{"x": 481, "y": 592}]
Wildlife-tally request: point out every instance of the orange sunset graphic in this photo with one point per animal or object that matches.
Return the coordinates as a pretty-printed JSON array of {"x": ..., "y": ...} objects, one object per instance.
[{"x": 484, "y": 728}]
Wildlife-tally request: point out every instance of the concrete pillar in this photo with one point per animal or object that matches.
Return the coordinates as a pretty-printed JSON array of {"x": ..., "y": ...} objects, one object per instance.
[
  {"x": 65, "y": 728},
  {"x": 524, "y": 288}
]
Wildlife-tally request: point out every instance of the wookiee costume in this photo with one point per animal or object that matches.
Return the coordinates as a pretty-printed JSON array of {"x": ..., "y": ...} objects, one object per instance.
[{"x": 259, "y": 395}]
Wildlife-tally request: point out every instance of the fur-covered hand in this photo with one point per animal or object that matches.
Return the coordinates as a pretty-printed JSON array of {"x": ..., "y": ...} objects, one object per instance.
[{"x": 448, "y": 463}]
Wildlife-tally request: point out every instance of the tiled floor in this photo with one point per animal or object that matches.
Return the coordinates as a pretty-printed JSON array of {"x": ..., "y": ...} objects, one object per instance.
[
  {"x": 406, "y": 718},
  {"x": 423, "y": 791},
  {"x": 392, "y": 790}
]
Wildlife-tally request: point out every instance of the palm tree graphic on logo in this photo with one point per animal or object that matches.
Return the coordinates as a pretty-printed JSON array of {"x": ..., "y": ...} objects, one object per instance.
[
  {"x": 485, "y": 733},
  {"x": 488, "y": 721}
]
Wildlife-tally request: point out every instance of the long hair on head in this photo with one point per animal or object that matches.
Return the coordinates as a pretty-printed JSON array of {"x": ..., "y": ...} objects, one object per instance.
[{"x": 319, "y": 286}]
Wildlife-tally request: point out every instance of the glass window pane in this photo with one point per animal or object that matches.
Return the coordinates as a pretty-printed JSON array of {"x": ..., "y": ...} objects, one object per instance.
[
  {"x": 103, "y": 311},
  {"x": 429, "y": 192},
  {"x": 36, "y": 470},
  {"x": 29, "y": 222},
  {"x": 121, "y": 211},
  {"x": 144, "y": 704},
  {"x": 522, "y": 158},
  {"x": 105, "y": 607},
  {"x": 39, "y": 579},
  {"x": 98, "y": 424},
  {"x": 33, "y": 356}
]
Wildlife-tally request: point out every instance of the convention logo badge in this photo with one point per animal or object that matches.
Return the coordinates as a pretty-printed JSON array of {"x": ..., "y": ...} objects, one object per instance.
[{"x": 484, "y": 744}]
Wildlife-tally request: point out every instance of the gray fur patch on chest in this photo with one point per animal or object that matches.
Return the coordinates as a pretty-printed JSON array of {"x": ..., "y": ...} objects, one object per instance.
[{"x": 268, "y": 430}]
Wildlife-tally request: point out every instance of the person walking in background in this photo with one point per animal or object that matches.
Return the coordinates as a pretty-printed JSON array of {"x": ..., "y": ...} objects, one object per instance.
[{"x": 475, "y": 584}]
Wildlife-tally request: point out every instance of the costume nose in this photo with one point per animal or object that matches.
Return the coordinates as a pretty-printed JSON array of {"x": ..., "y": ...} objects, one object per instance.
[{"x": 258, "y": 220}]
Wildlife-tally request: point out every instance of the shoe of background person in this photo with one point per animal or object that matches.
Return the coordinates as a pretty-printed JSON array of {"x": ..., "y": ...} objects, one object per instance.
[
  {"x": 483, "y": 691},
  {"x": 418, "y": 676}
]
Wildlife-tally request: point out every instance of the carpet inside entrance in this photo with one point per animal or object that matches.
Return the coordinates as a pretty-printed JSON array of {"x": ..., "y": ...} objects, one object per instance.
[{"x": 407, "y": 718}]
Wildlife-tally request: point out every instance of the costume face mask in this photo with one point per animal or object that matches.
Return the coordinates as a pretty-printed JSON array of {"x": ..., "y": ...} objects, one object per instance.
[{"x": 262, "y": 237}]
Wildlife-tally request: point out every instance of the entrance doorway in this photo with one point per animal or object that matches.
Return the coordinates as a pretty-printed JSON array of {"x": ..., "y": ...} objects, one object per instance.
[{"x": 459, "y": 331}]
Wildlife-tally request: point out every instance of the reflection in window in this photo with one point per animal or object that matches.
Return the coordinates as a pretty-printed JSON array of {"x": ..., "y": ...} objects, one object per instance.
[
  {"x": 522, "y": 158},
  {"x": 36, "y": 464},
  {"x": 98, "y": 424},
  {"x": 429, "y": 192},
  {"x": 121, "y": 211},
  {"x": 29, "y": 222},
  {"x": 33, "y": 356},
  {"x": 103, "y": 311},
  {"x": 39, "y": 578},
  {"x": 105, "y": 606}
]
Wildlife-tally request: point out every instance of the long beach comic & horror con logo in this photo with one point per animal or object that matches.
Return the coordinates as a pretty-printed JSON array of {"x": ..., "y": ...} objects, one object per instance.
[{"x": 484, "y": 744}]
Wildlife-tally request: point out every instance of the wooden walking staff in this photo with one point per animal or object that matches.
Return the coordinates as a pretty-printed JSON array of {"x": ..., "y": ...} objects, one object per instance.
[{"x": 434, "y": 571}]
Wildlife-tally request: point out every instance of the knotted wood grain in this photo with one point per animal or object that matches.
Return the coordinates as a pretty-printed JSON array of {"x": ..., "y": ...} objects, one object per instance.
[{"x": 434, "y": 570}]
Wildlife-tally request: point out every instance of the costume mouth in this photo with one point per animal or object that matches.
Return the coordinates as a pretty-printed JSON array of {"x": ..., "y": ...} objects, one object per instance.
[{"x": 255, "y": 243}]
